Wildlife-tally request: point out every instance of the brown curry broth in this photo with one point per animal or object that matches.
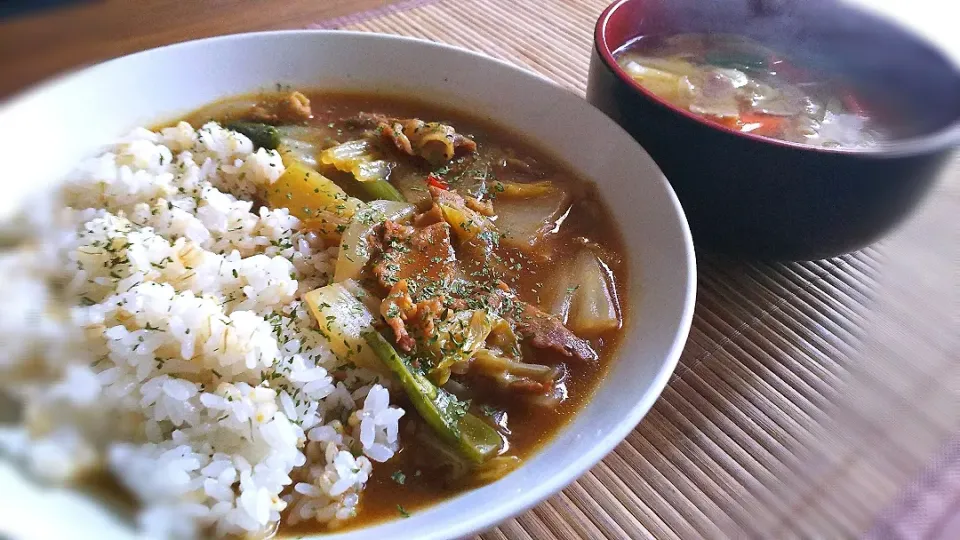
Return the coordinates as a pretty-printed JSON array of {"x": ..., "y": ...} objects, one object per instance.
[{"x": 530, "y": 425}]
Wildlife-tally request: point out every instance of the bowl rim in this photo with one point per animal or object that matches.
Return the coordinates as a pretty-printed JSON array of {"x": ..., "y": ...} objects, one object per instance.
[
  {"x": 636, "y": 411},
  {"x": 946, "y": 137}
]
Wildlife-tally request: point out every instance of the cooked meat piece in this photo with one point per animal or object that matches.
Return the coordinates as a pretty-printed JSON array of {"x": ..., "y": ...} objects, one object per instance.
[
  {"x": 453, "y": 199},
  {"x": 447, "y": 197},
  {"x": 375, "y": 241},
  {"x": 466, "y": 294},
  {"x": 422, "y": 256},
  {"x": 392, "y": 132},
  {"x": 297, "y": 105},
  {"x": 399, "y": 312},
  {"x": 502, "y": 287},
  {"x": 289, "y": 109},
  {"x": 547, "y": 332},
  {"x": 498, "y": 299},
  {"x": 435, "y": 142},
  {"x": 393, "y": 231},
  {"x": 396, "y": 308},
  {"x": 427, "y": 313},
  {"x": 260, "y": 113},
  {"x": 431, "y": 216},
  {"x": 485, "y": 207}
]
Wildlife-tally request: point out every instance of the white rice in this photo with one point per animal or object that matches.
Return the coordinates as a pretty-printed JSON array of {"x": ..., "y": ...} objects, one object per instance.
[{"x": 185, "y": 362}]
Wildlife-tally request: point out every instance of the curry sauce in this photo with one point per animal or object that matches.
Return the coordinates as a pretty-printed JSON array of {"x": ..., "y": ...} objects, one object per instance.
[{"x": 536, "y": 261}]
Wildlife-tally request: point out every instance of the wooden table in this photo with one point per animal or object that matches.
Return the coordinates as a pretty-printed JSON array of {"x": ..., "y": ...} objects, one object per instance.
[{"x": 37, "y": 46}]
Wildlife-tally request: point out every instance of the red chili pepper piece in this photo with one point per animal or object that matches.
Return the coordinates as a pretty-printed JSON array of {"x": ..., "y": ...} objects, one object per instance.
[
  {"x": 731, "y": 122},
  {"x": 762, "y": 124},
  {"x": 437, "y": 182}
]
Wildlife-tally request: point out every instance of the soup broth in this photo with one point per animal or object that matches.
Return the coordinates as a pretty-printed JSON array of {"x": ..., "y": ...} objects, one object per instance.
[{"x": 741, "y": 84}]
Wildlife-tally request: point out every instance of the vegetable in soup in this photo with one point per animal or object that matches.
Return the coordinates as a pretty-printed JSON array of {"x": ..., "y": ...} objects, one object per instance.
[{"x": 740, "y": 84}]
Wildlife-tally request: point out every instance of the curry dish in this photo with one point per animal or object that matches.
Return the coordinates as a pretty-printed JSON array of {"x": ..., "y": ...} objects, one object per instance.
[
  {"x": 494, "y": 274},
  {"x": 297, "y": 312}
]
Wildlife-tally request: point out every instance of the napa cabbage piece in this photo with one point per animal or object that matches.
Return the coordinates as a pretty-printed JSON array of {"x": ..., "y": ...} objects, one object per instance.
[
  {"x": 362, "y": 159},
  {"x": 359, "y": 158},
  {"x": 507, "y": 370},
  {"x": 675, "y": 66},
  {"x": 456, "y": 339},
  {"x": 343, "y": 319},
  {"x": 594, "y": 307},
  {"x": 474, "y": 177},
  {"x": 303, "y": 143},
  {"x": 455, "y": 468},
  {"x": 295, "y": 150},
  {"x": 584, "y": 296},
  {"x": 439, "y": 457},
  {"x": 307, "y": 193},
  {"x": 524, "y": 221},
  {"x": 666, "y": 84},
  {"x": 354, "y": 247},
  {"x": 503, "y": 339}
]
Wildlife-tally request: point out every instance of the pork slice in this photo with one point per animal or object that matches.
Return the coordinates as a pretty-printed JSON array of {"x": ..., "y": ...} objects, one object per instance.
[
  {"x": 547, "y": 332},
  {"x": 435, "y": 142},
  {"x": 421, "y": 255}
]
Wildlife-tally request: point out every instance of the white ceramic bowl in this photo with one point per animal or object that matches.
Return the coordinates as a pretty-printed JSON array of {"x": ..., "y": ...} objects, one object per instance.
[{"x": 50, "y": 129}]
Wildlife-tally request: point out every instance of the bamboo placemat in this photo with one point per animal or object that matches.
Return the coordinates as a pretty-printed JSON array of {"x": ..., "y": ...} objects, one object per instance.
[{"x": 815, "y": 399}]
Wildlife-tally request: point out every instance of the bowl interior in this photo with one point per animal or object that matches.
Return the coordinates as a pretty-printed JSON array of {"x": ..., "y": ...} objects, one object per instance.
[
  {"x": 76, "y": 115},
  {"x": 886, "y": 63}
]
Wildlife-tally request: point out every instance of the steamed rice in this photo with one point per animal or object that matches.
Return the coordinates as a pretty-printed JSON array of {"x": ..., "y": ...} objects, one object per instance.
[{"x": 185, "y": 363}]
